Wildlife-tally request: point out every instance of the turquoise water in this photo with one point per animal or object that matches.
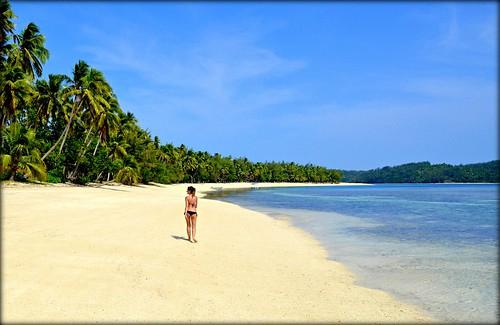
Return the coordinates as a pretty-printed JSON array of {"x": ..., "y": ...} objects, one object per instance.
[{"x": 434, "y": 245}]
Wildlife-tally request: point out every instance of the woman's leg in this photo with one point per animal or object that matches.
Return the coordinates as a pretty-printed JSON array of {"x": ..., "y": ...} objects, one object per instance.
[
  {"x": 188, "y": 226},
  {"x": 193, "y": 226}
]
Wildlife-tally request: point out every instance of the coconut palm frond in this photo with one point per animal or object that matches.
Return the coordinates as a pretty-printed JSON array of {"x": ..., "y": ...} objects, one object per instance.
[
  {"x": 127, "y": 176},
  {"x": 37, "y": 171},
  {"x": 5, "y": 161}
]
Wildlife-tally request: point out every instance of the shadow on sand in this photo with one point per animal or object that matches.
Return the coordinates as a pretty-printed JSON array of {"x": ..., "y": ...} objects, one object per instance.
[
  {"x": 180, "y": 238},
  {"x": 107, "y": 188}
]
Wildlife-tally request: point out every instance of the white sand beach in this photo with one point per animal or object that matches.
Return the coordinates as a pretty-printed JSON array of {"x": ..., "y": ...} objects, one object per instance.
[{"x": 119, "y": 253}]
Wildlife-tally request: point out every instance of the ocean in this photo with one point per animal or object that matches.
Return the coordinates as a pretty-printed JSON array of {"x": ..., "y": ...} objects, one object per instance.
[{"x": 433, "y": 245}]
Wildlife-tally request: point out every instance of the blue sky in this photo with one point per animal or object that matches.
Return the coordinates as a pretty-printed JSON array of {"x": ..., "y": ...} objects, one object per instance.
[{"x": 344, "y": 85}]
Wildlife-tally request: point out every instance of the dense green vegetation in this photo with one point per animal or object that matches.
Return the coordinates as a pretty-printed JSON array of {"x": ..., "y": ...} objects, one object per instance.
[
  {"x": 425, "y": 172},
  {"x": 72, "y": 128}
]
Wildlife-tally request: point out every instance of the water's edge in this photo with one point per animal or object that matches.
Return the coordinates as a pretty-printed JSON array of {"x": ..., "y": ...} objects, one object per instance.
[
  {"x": 449, "y": 283},
  {"x": 220, "y": 194}
]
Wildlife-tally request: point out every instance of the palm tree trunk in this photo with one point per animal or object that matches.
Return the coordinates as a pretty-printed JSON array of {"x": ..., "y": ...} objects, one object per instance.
[
  {"x": 98, "y": 176},
  {"x": 55, "y": 144},
  {"x": 82, "y": 153},
  {"x": 97, "y": 145},
  {"x": 86, "y": 138},
  {"x": 73, "y": 113},
  {"x": 14, "y": 171},
  {"x": 64, "y": 133},
  {"x": 108, "y": 177},
  {"x": 71, "y": 175},
  {"x": 77, "y": 163}
]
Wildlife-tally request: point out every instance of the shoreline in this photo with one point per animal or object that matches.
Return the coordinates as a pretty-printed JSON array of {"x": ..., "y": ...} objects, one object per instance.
[
  {"x": 213, "y": 186},
  {"x": 287, "y": 219},
  {"x": 216, "y": 186},
  {"x": 102, "y": 262}
]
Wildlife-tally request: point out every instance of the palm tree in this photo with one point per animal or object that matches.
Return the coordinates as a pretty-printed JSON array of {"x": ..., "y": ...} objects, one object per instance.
[
  {"x": 90, "y": 91},
  {"x": 6, "y": 27},
  {"x": 191, "y": 165},
  {"x": 21, "y": 153},
  {"x": 127, "y": 121},
  {"x": 118, "y": 145},
  {"x": 117, "y": 150},
  {"x": 107, "y": 121},
  {"x": 49, "y": 97},
  {"x": 30, "y": 53},
  {"x": 169, "y": 154},
  {"x": 15, "y": 90},
  {"x": 127, "y": 176},
  {"x": 149, "y": 156}
]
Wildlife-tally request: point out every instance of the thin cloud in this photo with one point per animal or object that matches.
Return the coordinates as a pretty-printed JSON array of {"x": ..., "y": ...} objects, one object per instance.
[
  {"x": 448, "y": 88},
  {"x": 461, "y": 39},
  {"x": 451, "y": 36},
  {"x": 214, "y": 65}
]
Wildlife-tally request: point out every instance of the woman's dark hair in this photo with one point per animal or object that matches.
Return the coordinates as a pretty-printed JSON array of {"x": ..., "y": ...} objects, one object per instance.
[{"x": 191, "y": 190}]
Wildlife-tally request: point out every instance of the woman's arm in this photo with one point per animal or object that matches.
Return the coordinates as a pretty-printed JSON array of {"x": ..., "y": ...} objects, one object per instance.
[{"x": 186, "y": 205}]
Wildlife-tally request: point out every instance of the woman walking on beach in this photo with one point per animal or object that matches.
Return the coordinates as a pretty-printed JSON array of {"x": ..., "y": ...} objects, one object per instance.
[{"x": 190, "y": 213}]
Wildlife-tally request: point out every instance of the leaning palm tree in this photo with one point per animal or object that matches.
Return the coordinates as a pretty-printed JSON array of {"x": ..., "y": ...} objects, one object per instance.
[
  {"x": 107, "y": 121},
  {"x": 20, "y": 154},
  {"x": 89, "y": 91},
  {"x": 90, "y": 94},
  {"x": 30, "y": 52}
]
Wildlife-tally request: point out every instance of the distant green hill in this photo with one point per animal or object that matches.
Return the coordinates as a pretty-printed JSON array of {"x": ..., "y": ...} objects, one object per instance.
[{"x": 425, "y": 172}]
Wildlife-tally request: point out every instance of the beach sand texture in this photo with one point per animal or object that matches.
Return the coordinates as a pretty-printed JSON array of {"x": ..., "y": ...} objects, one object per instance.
[{"x": 118, "y": 253}]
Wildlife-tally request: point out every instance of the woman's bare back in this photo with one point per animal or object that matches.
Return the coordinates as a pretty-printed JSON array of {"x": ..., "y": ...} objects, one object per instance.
[{"x": 192, "y": 202}]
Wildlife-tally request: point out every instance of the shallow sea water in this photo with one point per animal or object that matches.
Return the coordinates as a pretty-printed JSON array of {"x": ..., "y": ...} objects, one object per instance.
[{"x": 433, "y": 245}]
